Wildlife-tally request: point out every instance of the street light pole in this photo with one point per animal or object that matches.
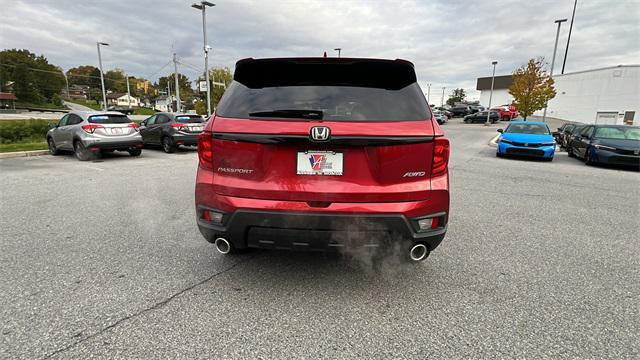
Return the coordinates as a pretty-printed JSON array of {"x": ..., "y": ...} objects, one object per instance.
[
  {"x": 338, "y": 50},
  {"x": 104, "y": 92},
  {"x": 493, "y": 76},
  {"x": 203, "y": 6},
  {"x": 175, "y": 75},
  {"x": 566, "y": 51},
  {"x": 428, "y": 92},
  {"x": 553, "y": 60},
  {"x": 128, "y": 93},
  {"x": 442, "y": 100}
]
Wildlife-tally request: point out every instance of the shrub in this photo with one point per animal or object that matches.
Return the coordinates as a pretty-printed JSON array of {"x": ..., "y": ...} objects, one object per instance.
[{"x": 17, "y": 131}]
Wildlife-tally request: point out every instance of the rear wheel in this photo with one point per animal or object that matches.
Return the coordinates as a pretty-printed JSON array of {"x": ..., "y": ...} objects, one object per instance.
[
  {"x": 135, "y": 152},
  {"x": 81, "y": 151},
  {"x": 53, "y": 150},
  {"x": 167, "y": 145},
  {"x": 506, "y": 118}
]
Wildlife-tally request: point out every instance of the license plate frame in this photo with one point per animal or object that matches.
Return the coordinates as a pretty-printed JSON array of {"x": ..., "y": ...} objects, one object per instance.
[{"x": 320, "y": 163}]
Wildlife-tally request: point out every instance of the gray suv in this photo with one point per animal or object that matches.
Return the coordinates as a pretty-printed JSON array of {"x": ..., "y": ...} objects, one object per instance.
[{"x": 88, "y": 134}]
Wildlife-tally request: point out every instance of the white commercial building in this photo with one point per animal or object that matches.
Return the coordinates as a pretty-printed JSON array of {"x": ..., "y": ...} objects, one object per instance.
[
  {"x": 600, "y": 96},
  {"x": 501, "y": 94},
  {"x": 604, "y": 96}
]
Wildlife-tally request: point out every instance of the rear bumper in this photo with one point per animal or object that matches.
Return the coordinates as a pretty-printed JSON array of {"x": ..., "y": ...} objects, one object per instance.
[
  {"x": 103, "y": 144},
  {"x": 317, "y": 231},
  {"x": 186, "y": 139}
]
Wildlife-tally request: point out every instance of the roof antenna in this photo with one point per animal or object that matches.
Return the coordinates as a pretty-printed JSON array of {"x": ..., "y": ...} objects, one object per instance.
[{"x": 325, "y": 54}]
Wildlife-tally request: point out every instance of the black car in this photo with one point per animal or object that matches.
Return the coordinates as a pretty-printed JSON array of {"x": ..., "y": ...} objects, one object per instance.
[
  {"x": 563, "y": 134},
  {"x": 607, "y": 144},
  {"x": 171, "y": 130},
  {"x": 476, "y": 108},
  {"x": 460, "y": 111},
  {"x": 481, "y": 117},
  {"x": 121, "y": 109}
]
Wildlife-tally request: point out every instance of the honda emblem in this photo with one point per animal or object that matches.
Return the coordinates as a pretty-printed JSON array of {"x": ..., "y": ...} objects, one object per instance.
[{"x": 320, "y": 133}]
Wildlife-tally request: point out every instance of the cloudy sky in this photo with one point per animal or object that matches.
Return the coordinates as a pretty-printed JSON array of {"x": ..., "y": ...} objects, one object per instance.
[{"x": 451, "y": 42}]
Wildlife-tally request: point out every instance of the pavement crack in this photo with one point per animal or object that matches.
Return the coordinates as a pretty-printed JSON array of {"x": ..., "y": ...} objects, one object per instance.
[{"x": 155, "y": 306}]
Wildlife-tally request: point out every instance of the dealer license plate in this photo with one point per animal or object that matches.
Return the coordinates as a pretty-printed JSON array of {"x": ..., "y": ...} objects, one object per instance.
[{"x": 319, "y": 163}]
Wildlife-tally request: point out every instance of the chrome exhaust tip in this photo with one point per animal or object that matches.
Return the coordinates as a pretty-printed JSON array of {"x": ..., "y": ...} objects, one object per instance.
[
  {"x": 418, "y": 252},
  {"x": 222, "y": 245}
]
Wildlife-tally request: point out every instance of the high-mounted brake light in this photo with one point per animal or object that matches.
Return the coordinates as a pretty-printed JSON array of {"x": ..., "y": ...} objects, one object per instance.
[
  {"x": 205, "y": 150},
  {"x": 91, "y": 128},
  {"x": 440, "y": 156}
]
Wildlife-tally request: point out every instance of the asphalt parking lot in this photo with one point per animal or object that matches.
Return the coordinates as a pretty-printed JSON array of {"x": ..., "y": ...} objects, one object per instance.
[{"x": 103, "y": 259}]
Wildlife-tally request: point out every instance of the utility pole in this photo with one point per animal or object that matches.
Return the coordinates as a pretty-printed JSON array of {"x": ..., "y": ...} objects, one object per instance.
[
  {"x": 104, "y": 92},
  {"x": 442, "y": 100},
  {"x": 203, "y": 7},
  {"x": 491, "y": 94},
  {"x": 428, "y": 92},
  {"x": 566, "y": 51},
  {"x": 175, "y": 75},
  {"x": 128, "y": 93},
  {"x": 66, "y": 80},
  {"x": 553, "y": 60}
]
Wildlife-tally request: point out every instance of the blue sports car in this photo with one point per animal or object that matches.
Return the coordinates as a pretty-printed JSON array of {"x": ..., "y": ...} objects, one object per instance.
[{"x": 527, "y": 138}]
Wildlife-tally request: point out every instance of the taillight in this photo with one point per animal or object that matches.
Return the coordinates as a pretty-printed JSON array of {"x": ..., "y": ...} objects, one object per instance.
[
  {"x": 440, "y": 156},
  {"x": 205, "y": 150},
  {"x": 134, "y": 126},
  {"x": 91, "y": 128},
  {"x": 179, "y": 126}
]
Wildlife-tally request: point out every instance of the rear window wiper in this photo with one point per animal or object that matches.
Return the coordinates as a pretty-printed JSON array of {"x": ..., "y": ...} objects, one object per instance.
[{"x": 290, "y": 113}]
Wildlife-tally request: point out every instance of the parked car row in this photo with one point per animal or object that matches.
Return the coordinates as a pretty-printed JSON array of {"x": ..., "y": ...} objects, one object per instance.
[
  {"x": 88, "y": 134},
  {"x": 604, "y": 144},
  {"x": 594, "y": 144}
]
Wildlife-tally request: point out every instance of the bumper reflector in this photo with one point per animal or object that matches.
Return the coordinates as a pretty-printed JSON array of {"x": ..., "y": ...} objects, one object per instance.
[{"x": 212, "y": 216}]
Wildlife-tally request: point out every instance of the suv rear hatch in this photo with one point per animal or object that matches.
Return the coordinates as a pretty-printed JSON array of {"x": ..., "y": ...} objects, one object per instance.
[
  {"x": 110, "y": 125},
  {"x": 324, "y": 130}
]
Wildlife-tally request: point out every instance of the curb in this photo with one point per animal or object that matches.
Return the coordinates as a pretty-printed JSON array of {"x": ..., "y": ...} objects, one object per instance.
[
  {"x": 493, "y": 141},
  {"x": 16, "y": 154}
]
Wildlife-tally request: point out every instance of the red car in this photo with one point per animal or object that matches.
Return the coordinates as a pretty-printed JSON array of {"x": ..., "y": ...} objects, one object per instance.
[
  {"x": 323, "y": 154},
  {"x": 507, "y": 112}
]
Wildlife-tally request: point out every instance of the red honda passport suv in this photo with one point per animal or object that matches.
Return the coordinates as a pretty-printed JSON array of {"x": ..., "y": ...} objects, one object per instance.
[{"x": 323, "y": 154}]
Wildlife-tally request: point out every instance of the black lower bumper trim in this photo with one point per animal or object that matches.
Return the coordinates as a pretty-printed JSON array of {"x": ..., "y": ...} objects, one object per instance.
[{"x": 316, "y": 232}]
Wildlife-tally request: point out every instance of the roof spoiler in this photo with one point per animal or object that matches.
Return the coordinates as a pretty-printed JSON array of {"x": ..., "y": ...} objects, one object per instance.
[{"x": 374, "y": 73}]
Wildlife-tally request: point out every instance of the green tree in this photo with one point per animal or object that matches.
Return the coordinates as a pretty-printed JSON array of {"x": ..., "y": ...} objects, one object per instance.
[
  {"x": 201, "y": 107},
  {"x": 457, "y": 96},
  {"x": 532, "y": 87},
  {"x": 116, "y": 81},
  {"x": 222, "y": 76},
  {"x": 30, "y": 76}
]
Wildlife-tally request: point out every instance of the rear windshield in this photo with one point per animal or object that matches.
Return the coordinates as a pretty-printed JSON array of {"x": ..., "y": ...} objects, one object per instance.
[
  {"x": 528, "y": 129},
  {"x": 618, "y": 133},
  {"x": 333, "y": 102},
  {"x": 109, "y": 119},
  {"x": 189, "y": 119}
]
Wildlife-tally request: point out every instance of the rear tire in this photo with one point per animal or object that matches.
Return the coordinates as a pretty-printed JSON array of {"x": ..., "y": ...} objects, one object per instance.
[
  {"x": 53, "y": 150},
  {"x": 168, "y": 145},
  {"x": 506, "y": 118},
  {"x": 81, "y": 152},
  {"x": 135, "y": 152}
]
